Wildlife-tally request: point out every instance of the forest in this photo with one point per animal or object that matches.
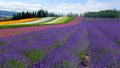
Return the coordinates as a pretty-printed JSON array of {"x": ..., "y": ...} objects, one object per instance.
[{"x": 103, "y": 14}]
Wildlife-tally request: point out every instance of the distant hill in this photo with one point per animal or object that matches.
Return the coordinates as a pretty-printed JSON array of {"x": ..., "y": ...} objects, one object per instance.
[
  {"x": 6, "y": 13},
  {"x": 103, "y": 14}
]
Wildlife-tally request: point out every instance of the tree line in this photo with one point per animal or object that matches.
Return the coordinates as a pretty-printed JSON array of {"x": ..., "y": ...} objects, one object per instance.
[
  {"x": 44, "y": 13},
  {"x": 103, "y": 14},
  {"x": 40, "y": 13}
]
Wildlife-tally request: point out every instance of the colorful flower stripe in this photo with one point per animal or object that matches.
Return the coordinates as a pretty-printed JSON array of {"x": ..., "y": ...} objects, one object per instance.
[
  {"x": 18, "y": 21},
  {"x": 41, "y": 20},
  {"x": 34, "y": 23},
  {"x": 18, "y": 31},
  {"x": 60, "y": 20}
]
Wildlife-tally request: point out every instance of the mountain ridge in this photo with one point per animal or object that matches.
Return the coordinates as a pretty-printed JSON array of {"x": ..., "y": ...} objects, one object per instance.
[{"x": 6, "y": 13}]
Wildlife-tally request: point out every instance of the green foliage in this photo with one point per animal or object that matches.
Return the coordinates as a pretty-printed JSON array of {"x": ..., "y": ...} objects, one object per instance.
[
  {"x": 58, "y": 44},
  {"x": 2, "y": 43},
  {"x": 118, "y": 42},
  {"x": 103, "y": 14},
  {"x": 34, "y": 55},
  {"x": 16, "y": 64},
  {"x": 81, "y": 55}
]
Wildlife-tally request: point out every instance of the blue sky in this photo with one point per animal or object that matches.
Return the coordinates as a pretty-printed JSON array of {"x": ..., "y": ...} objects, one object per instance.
[
  {"x": 48, "y": 1},
  {"x": 56, "y": 1},
  {"x": 59, "y": 6}
]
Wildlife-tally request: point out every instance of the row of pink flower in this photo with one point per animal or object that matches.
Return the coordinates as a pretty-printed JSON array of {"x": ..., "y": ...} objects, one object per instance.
[{"x": 17, "y": 31}]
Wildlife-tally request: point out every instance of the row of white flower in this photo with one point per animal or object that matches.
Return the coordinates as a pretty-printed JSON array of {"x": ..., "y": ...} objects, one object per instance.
[
  {"x": 50, "y": 22},
  {"x": 56, "y": 20},
  {"x": 38, "y": 21}
]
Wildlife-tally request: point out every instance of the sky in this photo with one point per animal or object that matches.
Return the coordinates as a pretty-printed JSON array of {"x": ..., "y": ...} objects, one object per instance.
[{"x": 59, "y": 6}]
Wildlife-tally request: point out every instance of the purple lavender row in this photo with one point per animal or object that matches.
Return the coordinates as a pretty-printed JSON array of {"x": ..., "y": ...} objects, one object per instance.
[
  {"x": 67, "y": 56},
  {"x": 103, "y": 50},
  {"x": 13, "y": 49},
  {"x": 110, "y": 28}
]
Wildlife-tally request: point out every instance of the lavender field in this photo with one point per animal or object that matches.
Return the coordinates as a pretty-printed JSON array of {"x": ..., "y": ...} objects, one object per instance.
[{"x": 98, "y": 39}]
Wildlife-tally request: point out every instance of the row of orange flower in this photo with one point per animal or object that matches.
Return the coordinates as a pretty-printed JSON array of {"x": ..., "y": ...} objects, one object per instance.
[{"x": 18, "y": 21}]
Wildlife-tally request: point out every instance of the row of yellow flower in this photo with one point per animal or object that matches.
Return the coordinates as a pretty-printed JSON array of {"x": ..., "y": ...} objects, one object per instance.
[{"x": 18, "y": 21}]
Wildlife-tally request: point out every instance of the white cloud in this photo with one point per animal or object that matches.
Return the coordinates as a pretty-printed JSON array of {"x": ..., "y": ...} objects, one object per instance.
[
  {"x": 77, "y": 7},
  {"x": 19, "y": 6},
  {"x": 65, "y": 8}
]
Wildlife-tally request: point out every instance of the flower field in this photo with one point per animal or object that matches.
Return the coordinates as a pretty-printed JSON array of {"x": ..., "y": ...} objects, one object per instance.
[
  {"x": 62, "y": 46},
  {"x": 38, "y": 22},
  {"x": 17, "y": 31}
]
